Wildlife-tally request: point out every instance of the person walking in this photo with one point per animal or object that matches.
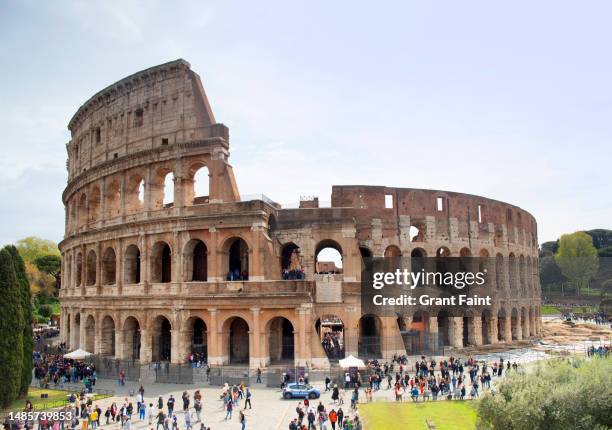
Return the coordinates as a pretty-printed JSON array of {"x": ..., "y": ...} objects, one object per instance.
[
  {"x": 187, "y": 419},
  {"x": 170, "y": 405},
  {"x": 247, "y": 399},
  {"x": 229, "y": 408},
  {"x": 333, "y": 418},
  {"x": 242, "y": 421}
]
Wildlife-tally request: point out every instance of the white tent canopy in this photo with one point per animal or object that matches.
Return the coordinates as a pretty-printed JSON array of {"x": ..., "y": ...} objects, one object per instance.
[
  {"x": 77, "y": 354},
  {"x": 351, "y": 361}
]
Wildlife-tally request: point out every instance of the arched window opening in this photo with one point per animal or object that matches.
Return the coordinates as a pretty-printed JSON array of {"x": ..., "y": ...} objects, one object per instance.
[
  {"x": 417, "y": 259},
  {"x": 132, "y": 265},
  {"x": 91, "y": 268},
  {"x": 79, "y": 269},
  {"x": 199, "y": 344},
  {"x": 161, "y": 263},
  {"x": 238, "y": 256},
  {"x": 168, "y": 199},
  {"x": 135, "y": 194},
  {"x": 369, "y": 336},
  {"x": 201, "y": 186},
  {"x": 82, "y": 209},
  {"x": 109, "y": 267},
  {"x": 90, "y": 334},
  {"x": 94, "y": 204},
  {"x": 291, "y": 266},
  {"x": 113, "y": 200},
  {"x": 328, "y": 258},
  {"x": 238, "y": 341},
  {"x": 108, "y": 337},
  {"x": 131, "y": 338}
]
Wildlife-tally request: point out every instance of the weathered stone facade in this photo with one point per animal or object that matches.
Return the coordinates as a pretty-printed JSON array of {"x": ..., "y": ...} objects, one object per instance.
[{"x": 147, "y": 278}]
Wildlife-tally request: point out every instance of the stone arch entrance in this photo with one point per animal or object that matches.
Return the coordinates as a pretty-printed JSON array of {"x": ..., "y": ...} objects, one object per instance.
[
  {"x": 107, "y": 344},
  {"x": 328, "y": 257},
  {"x": 330, "y": 329},
  {"x": 162, "y": 339},
  {"x": 237, "y": 330},
  {"x": 370, "y": 328},
  {"x": 281, "y": 344},
  {"x": 109, "y": 267},
  {"x": 131, "y": 338},
  {"x": 197, "y": 337}
]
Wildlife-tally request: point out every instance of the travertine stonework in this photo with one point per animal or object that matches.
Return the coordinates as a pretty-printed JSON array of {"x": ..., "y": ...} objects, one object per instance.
[{"x": 147, "y": 278}]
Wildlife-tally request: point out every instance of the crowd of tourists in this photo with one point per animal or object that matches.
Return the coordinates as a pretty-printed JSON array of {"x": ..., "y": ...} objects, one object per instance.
[
  {"x": 599, "y": 351},
  {"x": 237, "y": 275},
  {"x": 332, "y": 344},
  {"x": 295, "y": 274},
  {"x": 53, "y": 371}
]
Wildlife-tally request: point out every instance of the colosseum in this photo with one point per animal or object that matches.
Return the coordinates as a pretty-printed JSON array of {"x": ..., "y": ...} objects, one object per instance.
[{"x": 163, "y": 257}]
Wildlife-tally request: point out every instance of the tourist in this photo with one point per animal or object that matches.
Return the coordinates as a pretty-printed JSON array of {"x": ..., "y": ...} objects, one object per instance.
[
  {"x": 151, "y": 414},
  {"x": 248, "y": 398},
  {"x": 242, "y": 419},
  {"x": 170, "y": 405},
  {"x": 229, "y": 408}
]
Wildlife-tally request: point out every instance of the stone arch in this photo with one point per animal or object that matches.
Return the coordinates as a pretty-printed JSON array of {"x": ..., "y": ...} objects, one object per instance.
[
  {"x": 107, "y": 343},
  {"x": 417, "y": 231},
  {"x": 161, "y": 331},
  {"x": 290, "y": 262},
  {"x": 392, "y": 251},
  {"x": 370, "y": 330},
  {"x": 134, "y": 198},
  {"x": 90, "y": 334},
  {"x": 195, "y": 257},
  {"x": 197, "y": 336},
  {"x": 162, "y": 188},
  {"x": 79, "y": 269},
  {"x": 161, "y": 262},
  {"x": 237, "y": 252},
  {"x": 95, "y": 200},
  {"x": 131, "y": 338},
  {"x": 237, "y": 346},
  {"x": 417, "y": 259},
  {"x": 113, "y": 200},
  {"x": 515, "y": 325},
  {"x": 442, "y": 255},
  {"x": 109, "y": 267},
  {"x": 280, "y": 338},
  {"x": 465, "y": 259},
  {"x": 91, "y": 267},
  {"x": 330, "y": 329},
  {"x": 326, "y": 251},
  {"x": 484, "y": 263},
  {"x": 499, "y": 271},
  {"x": 469, "y": 334},
  {"x": 200, "y": 179},
  {"x": 486, "y": 320},
  {"x": 82, "y": 210},
  {"x": 132, "y": 265}
]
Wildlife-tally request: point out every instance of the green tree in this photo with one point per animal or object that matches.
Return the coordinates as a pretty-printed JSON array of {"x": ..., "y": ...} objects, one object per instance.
[
  {"x": 32, "y": 248},
  {"x": 11, "y": 329},
  {"x": 50, "y": 265},
  {"x": 554, "y": 395},
  {"x": 26, "y": 306},
  {"x": 577, "y": 259}
]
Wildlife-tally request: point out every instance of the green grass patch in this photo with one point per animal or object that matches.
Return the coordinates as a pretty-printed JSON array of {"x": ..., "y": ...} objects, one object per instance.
[
  {"x": 445, "y": 415},
  {"x": 55, "y": 399},
  {"x": 549, "y": 310}
]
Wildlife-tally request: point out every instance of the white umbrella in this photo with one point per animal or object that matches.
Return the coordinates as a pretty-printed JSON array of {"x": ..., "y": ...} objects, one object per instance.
[
  {"x": 351, "y": 361},
  {"x": 77, "y": 354}
]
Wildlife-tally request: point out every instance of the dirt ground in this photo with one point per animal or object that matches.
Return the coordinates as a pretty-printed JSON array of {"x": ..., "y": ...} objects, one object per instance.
[{"x": 556, "y": 331}]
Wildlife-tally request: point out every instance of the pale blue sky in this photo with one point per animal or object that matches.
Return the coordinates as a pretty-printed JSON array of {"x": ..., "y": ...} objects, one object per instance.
[{"x": 511, "y": 101}]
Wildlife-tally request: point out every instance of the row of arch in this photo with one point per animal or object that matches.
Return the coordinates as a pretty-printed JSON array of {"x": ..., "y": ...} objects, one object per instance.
[
  {"x": 195, "y": 262},
  {"x": 279, "y": 332},
  {"x": 124, "y": 196}
]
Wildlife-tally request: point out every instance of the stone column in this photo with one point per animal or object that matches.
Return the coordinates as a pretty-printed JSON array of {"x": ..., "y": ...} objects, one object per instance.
[
  {"x": 493, "y": 330},
  {"x": 456, "y": 333},
  {"x": 255, "y": 260},
  {"x": 83, "y": 332},
  {"x": 119, "y": 347},
  {"x": 475, "y": 331},
  {"x": 97, "y": 335},
  {"x": 301, "y": 356},
  {"x": 177, "y": 342},
  {"x": 214, "y": 267},
  {"x": 256, "y": 350},
  {"x": 525, "y": 325},
  {"x": 215, "y": 350},
  {"x": 508, "y": 330},
  {"x": 146, "y": 352}
]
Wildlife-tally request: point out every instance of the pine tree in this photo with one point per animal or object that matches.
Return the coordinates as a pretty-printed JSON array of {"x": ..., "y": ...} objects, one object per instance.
[
  {"x": 26, "y": 305},
  {"x": 11, "y": 330}
]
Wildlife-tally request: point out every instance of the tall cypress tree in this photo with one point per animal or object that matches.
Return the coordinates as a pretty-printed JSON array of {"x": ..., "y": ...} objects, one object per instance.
[
  {"x": 26, "y": 305},
  {"x": 11, "y": 330}
]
